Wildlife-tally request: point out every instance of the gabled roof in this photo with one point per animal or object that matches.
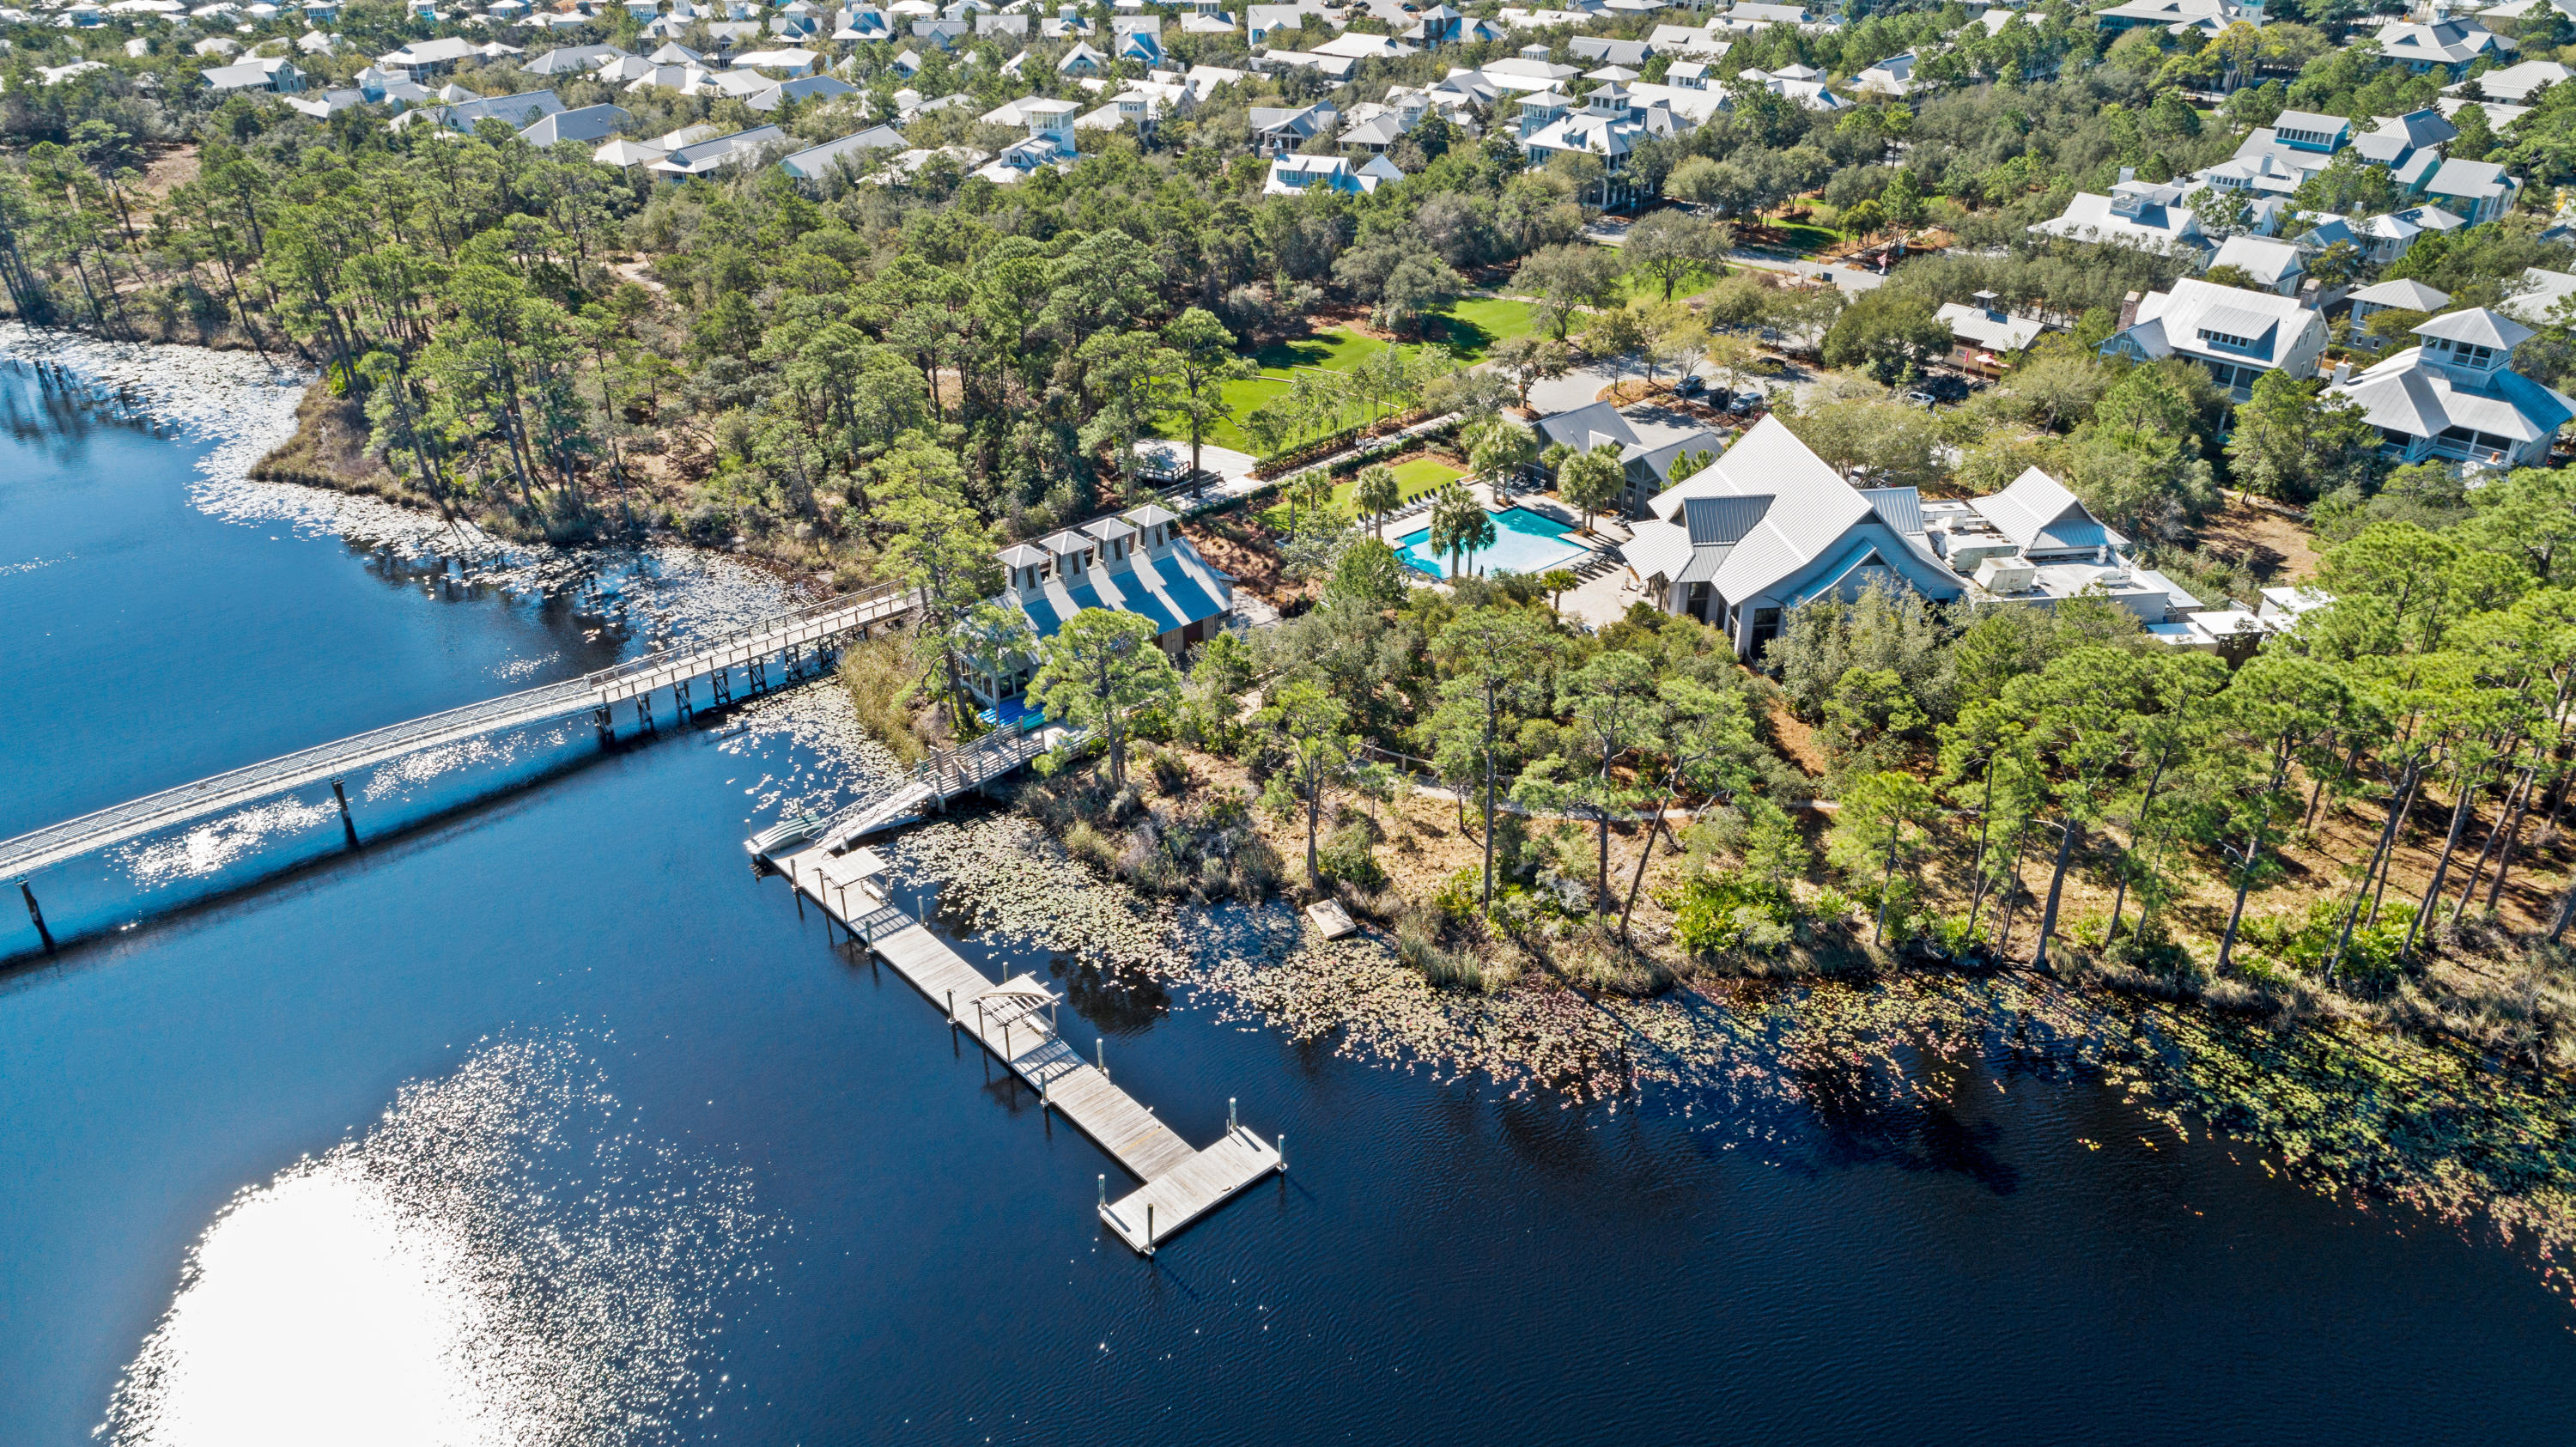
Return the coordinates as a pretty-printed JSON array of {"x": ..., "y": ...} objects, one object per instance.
[
  {"x": 1811, "y": 514},
  {"x": 2405, "y": 294},
  {"x": 2266, "y": 260},
  {"x": 2468, "y": 178},
  {"x": 2037, "y": 512}
]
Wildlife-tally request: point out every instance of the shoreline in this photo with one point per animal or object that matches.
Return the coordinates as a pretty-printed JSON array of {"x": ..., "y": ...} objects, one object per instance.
[
  {"x": 2390, "y": 1120},
  {"x": 2340, "y": 1113}
]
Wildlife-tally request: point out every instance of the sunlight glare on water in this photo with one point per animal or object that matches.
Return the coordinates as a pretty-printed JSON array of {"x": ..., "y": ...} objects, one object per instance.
[{"x": 493, "y": 1265}]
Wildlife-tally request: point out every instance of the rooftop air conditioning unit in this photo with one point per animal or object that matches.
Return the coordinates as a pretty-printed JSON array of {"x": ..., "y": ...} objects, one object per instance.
[{"x": 2005, "y": 575}]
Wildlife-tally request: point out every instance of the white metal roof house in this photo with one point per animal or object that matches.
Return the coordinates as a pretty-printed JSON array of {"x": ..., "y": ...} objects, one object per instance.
[
  {"x": 2449, "y": 46},
  {"x": 2539, "y": 294},
  {"x": 1609, "y": 126},
  {"x": 2512, "y": 84},
  {"x": 586, "y": 124},
  {"x": 1769, "y": 527},
  {"x": 2237, "y": 335},
  {"x": 2404, "y": 294},
  {"x": 1893, "y": 76},
  {"x": 517, "y": 111},
  {"x": 2458, "y": 397},
  {"x": 2136, "y": 213},
  {"x": 2474, "y": 191},
  {"x": 2277, "y": 265},
  {"x": 1296, "y": 175},
  {"x": 814, "y": 163},
  {"x": 2179, "y": 17},
  {"x": 705, "y": 158},
  {"x": 268, "y": 73}
]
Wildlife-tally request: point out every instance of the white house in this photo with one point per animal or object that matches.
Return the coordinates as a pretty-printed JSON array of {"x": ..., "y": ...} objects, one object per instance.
[
  {"x": 2197, "y": 18},
  {"x": 1296, "y": 175},
  {"x": 2276, "y": 266},
  {"x": 268, "y": 73},
  {"x": 2237, "y": 335},
  {"x": 1893, "y": 76},
  {"x": 2449, "y": 46},
  {"x": 2404, "y": 294},
  {"x": 2458, "y": 397},
  {"x": 2136, "y": 213},
  {"x": 719, "y": 153},
  {"x": 2539, "y": 295}
]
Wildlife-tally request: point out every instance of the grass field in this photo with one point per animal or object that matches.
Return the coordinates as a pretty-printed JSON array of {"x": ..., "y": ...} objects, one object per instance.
[
  {"x": 1421, "y": 475},
  {"x": 1472, "y": 326},
  {"x": 1337, "y": 349}
]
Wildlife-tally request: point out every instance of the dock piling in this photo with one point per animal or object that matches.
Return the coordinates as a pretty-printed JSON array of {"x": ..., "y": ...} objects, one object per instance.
[
  {"x": 348, "y": 826},
  {"x": 36, "y": 915}
]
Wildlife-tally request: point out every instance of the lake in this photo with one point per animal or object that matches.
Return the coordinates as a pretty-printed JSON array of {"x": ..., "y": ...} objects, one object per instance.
[{"x": 541, "y": 1120}]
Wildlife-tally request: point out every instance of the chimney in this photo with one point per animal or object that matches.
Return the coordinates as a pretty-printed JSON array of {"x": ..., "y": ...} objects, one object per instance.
[
  {"x": 2128, "y": 174},
  {"x": 2128, "y": 311},
  {"x": 2342, "y": 373}
]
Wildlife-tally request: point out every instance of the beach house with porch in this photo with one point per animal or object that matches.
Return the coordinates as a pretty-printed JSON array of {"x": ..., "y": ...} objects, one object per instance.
[{"x": 2457, "y": 398}]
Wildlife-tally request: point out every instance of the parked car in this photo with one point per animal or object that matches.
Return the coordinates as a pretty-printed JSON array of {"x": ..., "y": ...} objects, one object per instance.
[
  {"x": 1921, "y": 399},
  {"x": 1747, "y": 401},
  {"x": 1689, "y": 386}
]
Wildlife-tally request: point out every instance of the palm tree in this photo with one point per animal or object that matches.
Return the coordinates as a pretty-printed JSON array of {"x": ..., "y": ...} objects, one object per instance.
[
  {"x": 1378, "y": 492},
  {"x": 1501, "y": 447},
  {"x": 1459, "y": 524},
  {"x": 1311, "y": 490}
]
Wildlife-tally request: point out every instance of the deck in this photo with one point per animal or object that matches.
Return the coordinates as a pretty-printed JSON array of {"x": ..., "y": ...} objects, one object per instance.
[{"x": 1181, "y": 1183}]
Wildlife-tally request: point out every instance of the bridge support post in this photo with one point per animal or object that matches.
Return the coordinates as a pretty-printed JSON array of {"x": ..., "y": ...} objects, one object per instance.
[
  {"x": 724, "y": 685},
  {"x": 680, "y": 701},
  {"x": 348, "y": 826},
  {"x": 37, "y": 915},
  {"x": 644, "y": 711},
  {"x": 606, "y": 725},
  {"x": 760, "y": 675}
]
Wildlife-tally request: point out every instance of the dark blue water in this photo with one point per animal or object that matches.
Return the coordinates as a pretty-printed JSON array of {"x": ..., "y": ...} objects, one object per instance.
[{"x": 1439, "y": 1267}]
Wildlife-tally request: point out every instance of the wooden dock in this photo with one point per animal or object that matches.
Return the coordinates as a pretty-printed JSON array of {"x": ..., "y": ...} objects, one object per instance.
[{"x": 1014, "y": 1021}]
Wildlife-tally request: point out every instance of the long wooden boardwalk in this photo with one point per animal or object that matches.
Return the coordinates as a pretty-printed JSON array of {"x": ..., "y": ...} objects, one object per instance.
[{"x": 1013, "y": 1020}]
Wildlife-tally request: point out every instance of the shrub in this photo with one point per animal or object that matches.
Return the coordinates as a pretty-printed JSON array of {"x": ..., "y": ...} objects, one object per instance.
[
  {"x": 1725, "y": 911},
  {"x": 1350, "y": 854}
]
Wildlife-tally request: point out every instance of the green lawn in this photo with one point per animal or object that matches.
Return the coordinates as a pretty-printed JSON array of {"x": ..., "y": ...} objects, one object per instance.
[
  {"x": 1804, "y": 237},
  {"x": 1332, "y": 349},
  {"x": 1413, "y": 479},
  {"x": 1476, "y": 323}
]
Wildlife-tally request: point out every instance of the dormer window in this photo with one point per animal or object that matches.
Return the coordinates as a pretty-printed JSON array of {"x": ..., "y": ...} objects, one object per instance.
[{"x": 2224, "y": 339}]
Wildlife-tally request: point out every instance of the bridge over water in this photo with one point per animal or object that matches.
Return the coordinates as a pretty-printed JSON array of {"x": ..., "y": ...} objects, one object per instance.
[{"x": 760, "y": 656}]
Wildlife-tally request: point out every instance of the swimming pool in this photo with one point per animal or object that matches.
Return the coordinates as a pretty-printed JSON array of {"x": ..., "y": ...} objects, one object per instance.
[{"x": 1524, "y": 542}]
